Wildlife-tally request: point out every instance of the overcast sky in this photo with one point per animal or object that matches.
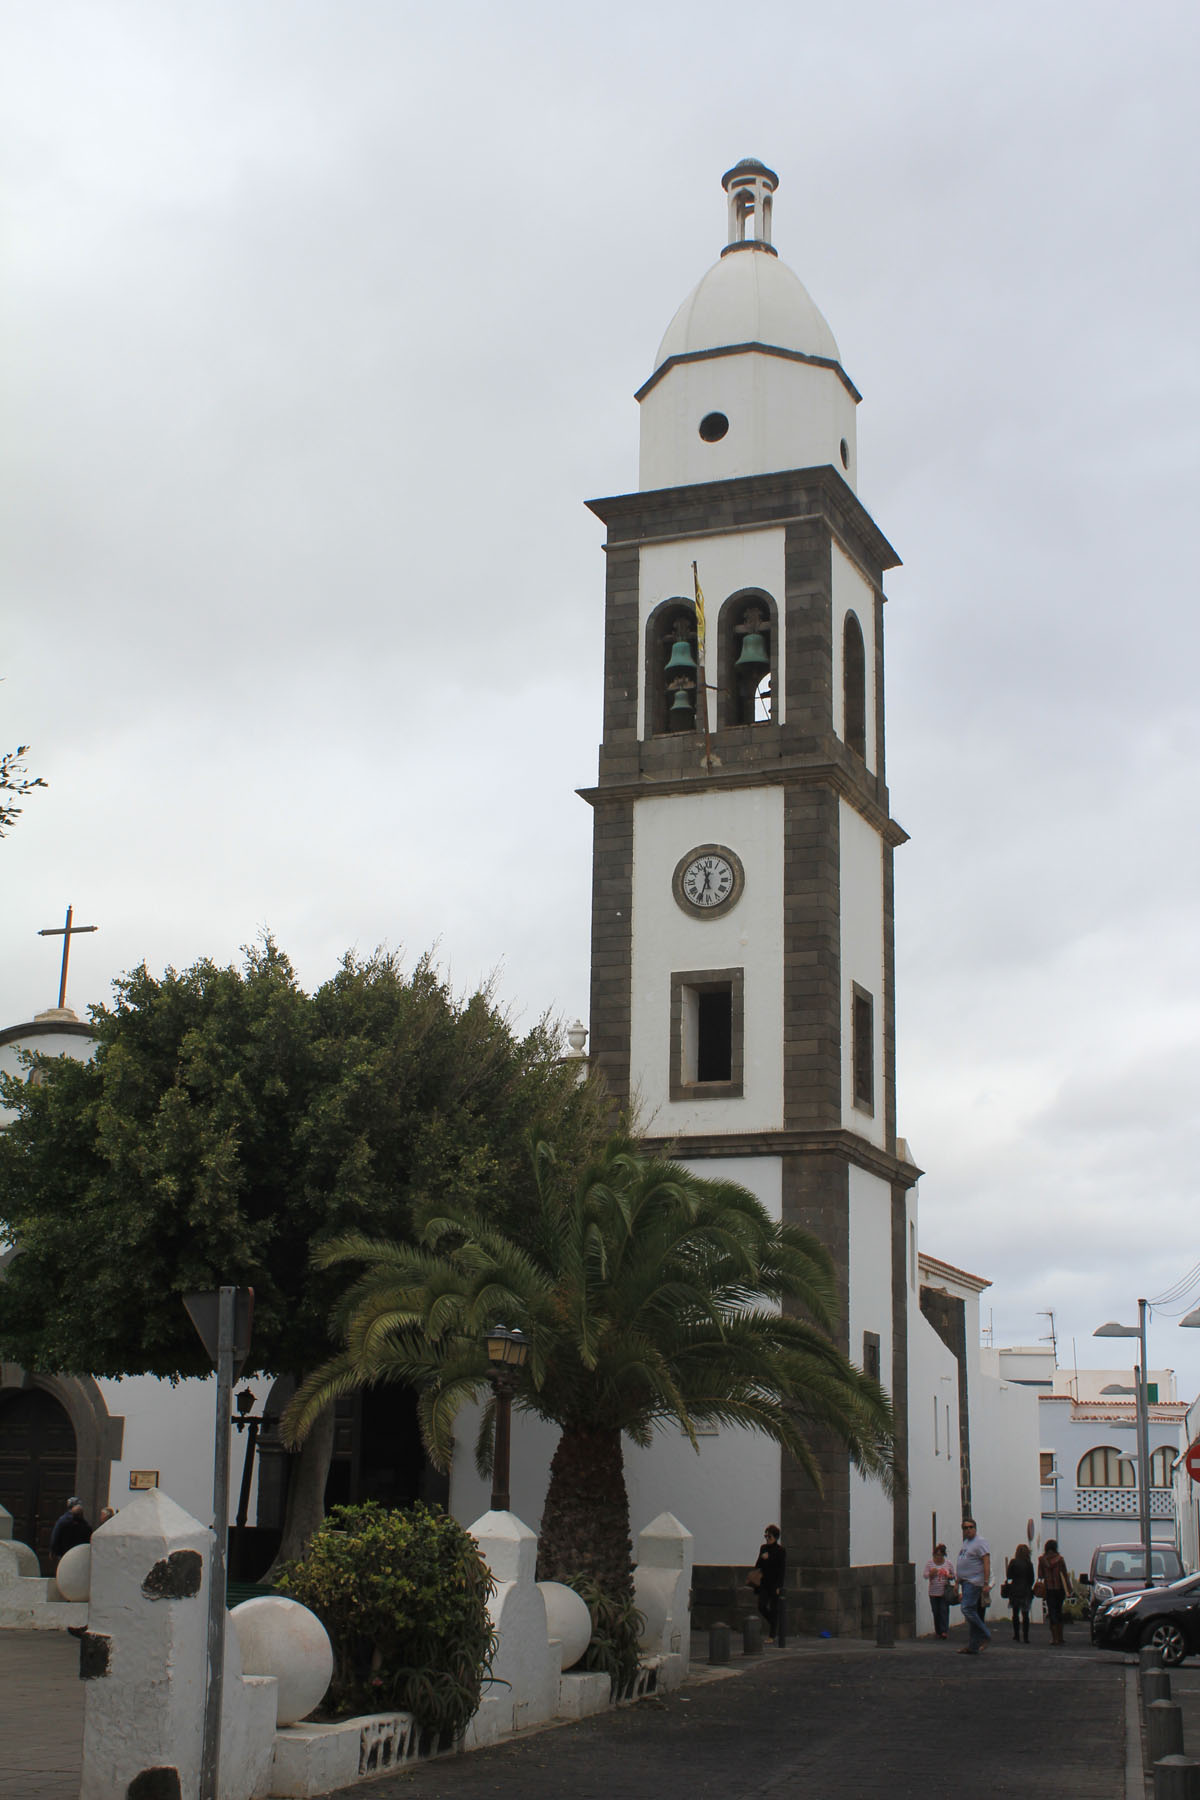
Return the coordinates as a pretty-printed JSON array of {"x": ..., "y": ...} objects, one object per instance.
[{"x": 322, "y": 321}]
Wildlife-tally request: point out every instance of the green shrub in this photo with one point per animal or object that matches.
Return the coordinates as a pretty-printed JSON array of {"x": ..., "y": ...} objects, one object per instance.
[
  {"x": 403, "y": 1596},
  {"x": 616, "y": 1627}
]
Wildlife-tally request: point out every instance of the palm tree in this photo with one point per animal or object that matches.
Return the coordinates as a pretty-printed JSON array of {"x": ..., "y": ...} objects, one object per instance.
[{"x": 649, "y": 1296}]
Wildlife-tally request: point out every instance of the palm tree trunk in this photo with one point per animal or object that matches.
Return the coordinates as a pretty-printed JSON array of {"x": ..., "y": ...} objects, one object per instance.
[{"x": 585, "y": 1525}]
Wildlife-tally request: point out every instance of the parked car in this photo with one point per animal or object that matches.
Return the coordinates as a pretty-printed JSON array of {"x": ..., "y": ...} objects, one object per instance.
[
  {"x": 1166, "y": 1617},
  {"x": 1121, "y": 1569}
]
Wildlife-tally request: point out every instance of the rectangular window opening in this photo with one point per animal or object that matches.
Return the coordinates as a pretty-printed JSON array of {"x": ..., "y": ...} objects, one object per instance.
[
  {"x": 870, "y": 1360},
  {"x": 707, "y": 1034},
  {"x": 863, "y": 1048}
]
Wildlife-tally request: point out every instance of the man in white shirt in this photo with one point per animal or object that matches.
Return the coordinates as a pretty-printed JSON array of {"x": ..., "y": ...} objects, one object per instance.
[{"x": 974, "y": 1571}]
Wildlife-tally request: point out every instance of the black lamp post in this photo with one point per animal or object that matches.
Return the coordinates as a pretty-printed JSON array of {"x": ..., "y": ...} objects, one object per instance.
[{"x": 507, "y": 1351}]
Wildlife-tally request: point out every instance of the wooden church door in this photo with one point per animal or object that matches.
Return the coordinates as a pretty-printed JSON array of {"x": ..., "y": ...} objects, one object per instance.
[{"x": 37, "y": 1466}]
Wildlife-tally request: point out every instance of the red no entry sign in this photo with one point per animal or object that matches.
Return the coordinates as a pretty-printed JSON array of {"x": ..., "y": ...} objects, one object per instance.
[{"x": 1191, "y": 1461}]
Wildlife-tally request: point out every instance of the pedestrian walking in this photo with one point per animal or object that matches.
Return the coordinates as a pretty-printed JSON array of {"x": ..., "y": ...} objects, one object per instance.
[
  {"x": 974, "y": 1570},
  {"x": 770, "y": 1567},
  {"x": 1018, "y": 1591},
  {"x": 939, "y": 1573},
  {"x": 1053, "y": 1585}
]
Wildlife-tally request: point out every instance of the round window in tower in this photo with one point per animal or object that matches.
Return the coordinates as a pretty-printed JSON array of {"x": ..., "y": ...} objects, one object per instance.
[
  {"x": 713, "y": 427},
  {"x": 844, "y": 450}
]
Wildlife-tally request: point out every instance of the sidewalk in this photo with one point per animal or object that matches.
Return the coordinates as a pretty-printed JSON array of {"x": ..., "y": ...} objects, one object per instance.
[
  {"x": 837, "y": 1715},
  {"x": 41, "y": 1716}
]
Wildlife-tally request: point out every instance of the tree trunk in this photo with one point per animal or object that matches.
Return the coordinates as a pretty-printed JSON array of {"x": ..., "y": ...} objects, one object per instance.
[
  {"x": 585, "y": 1525},
  {"x": 305, "y": 1507}
]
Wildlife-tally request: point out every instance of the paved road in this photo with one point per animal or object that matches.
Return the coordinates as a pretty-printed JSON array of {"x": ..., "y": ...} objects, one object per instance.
[
  {"x": 916, "y": 1721},
  {"x": 842, "y": 1720}
]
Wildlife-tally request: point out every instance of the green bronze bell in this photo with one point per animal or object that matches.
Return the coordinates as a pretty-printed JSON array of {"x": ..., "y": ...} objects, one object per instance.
[
  {"x": 754, "y": 654},
  {"x": 682, "y": 707},
  {"x": 681, "y": 660}
]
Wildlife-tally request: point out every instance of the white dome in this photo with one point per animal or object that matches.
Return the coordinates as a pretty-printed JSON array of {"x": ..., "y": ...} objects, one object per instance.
[{"x": 748, "y": 297}]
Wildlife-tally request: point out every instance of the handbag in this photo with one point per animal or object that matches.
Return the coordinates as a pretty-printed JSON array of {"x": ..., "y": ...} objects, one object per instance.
[
  {"x": 754, "y": 1578},
  {"x": 1005, "y": 1590},
  {"x": 953, "y": 1596},
  {"x": 1039, "y": 1590}
]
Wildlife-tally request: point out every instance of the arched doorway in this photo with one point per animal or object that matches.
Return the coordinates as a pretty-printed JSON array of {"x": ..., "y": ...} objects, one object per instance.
[{"x": 38, "y": 1455}]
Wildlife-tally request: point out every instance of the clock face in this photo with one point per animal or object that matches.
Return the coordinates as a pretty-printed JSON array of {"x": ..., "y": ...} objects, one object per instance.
[{"x": 708, "y": 880}]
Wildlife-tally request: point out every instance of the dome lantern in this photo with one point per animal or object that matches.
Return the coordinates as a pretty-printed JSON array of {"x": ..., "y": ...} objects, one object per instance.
[{"x": 750, "y": 186}]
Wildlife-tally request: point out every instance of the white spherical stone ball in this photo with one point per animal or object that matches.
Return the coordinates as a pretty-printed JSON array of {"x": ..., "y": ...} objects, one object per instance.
[
  {"x": 74, "y": 1573},
  {"x": 16, "y": 1560},
  {"x": 567, "y": 1620},
  {"x": 282, "y": 1638}
]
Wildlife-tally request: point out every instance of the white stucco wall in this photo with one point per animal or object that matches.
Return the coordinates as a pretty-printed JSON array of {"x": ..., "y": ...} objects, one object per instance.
[
  {"x": 726, "y": 565},
  {"x": 749, "y": 937},
  {"x": 782, "y": 415},
  {"x": 171, "y": 1429},
  {"x": 870, "y": 1310},
  {"x": 934, "y": 1503},
  {"x": 862, "y": 961},
  {"x": 1004, "y": 1464},
  {"x": 852, "y": 592}
]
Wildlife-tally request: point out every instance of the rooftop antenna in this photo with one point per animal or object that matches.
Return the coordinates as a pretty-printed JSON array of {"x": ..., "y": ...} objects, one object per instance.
[
  {"x": 988, "y": 1332},
  {"x": 1052, "y": 1337}
]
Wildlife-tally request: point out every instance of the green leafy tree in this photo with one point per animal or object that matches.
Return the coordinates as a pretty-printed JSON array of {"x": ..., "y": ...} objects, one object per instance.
[
  {"x": 650, "y": 1298},
  {"x": 14, "y": 780},
  {"x": 227, "y": 1124}
]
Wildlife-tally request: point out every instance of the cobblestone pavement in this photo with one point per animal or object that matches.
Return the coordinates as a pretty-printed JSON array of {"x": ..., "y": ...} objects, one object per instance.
[
  {"x": 41, "y": 1716},
  {"x": 915, "y": 1721}
]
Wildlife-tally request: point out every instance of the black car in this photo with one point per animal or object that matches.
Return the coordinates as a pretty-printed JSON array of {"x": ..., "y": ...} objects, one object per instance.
[{"x": 1166, "y": 1617}]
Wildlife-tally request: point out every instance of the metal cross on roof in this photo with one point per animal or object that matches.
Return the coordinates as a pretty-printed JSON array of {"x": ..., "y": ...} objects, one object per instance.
[{"x": 66, "y": 933}]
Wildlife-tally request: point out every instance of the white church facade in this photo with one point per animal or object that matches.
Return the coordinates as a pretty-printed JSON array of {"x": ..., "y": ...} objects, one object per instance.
[{"x": 742, "y": 965}]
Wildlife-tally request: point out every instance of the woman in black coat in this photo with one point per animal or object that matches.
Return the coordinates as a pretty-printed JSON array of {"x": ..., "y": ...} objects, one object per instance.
[
  {"x": 1018, "y": 1579},
  {"x": 772, "y": 1567}
]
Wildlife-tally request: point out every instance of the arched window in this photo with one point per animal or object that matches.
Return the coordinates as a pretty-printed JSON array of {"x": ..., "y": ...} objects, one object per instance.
[
  {"x": 854, "y": 687},
  {"x": 671, "y": 668},
  {"x": 748, "y": 672},
  {"x": 1106, "y": 1468},
  {"x": 1160, "y": 1468}
]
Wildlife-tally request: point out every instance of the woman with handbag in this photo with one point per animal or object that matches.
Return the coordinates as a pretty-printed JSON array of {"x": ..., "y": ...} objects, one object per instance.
[
  {"x": 1018, "y": 1590},
  {"x": 939, "y": 1573},
  {"x": 766, "y": 1578},
  {"x": 1053, "y": 1585}
]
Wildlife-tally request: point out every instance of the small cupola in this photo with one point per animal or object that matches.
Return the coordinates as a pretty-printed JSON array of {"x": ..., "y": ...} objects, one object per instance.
[{"x": 750, "y": 186}]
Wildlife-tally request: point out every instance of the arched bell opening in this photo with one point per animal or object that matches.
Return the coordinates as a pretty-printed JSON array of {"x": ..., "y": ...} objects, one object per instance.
[
  {"x": 749, "y": 668},
  {"x": 854, "y": 687},
  {"x": 672, "y": 669}
]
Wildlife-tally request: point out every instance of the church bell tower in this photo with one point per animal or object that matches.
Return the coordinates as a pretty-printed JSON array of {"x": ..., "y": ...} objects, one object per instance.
[{"x": 742, "y": 1001}]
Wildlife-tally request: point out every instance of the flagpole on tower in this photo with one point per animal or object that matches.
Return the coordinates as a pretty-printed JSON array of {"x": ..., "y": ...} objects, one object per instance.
[{"x": 701, "y": 678}]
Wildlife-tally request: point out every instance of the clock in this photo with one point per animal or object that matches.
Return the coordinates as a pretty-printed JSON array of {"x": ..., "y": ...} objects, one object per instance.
[{"x": 708, "y": 880}]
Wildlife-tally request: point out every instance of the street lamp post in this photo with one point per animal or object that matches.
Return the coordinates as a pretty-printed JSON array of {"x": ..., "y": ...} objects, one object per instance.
[
  {"x": 1142, "y": 1400},
  {"x": 507, "y": 1352}
]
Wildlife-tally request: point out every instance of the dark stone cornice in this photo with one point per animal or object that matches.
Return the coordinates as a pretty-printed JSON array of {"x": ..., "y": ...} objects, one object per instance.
[
  {"x": 715, "y": 508},
  {"x": 823, "y": 774},
  {"x": 789, "y": 1143},
  {"x": 800, "y": 356}
]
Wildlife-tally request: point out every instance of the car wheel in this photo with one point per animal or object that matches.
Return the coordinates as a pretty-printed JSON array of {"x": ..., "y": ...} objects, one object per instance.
[{"x": 1168, "y": 1640}]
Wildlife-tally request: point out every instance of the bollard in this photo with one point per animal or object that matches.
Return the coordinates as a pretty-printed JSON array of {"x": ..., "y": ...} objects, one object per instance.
[
  {"x": 1156, "y": 1685},
  {"x": 1164, "y": 1729},
  {"x": 718, "y": 1643},
  {"x": 781, "y": 1623},
  {"x": 885, "y": 1631},
  {"x": 752, "y": 1641},
  {"x": 1177, "y": 1778},
  {"x": 1149, "y": 1658}
]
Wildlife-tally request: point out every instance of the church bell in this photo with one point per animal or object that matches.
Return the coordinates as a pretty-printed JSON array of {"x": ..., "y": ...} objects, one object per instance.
[
  {"x": 754, "y": 655},
  {"x": 681, "y": 661}
]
